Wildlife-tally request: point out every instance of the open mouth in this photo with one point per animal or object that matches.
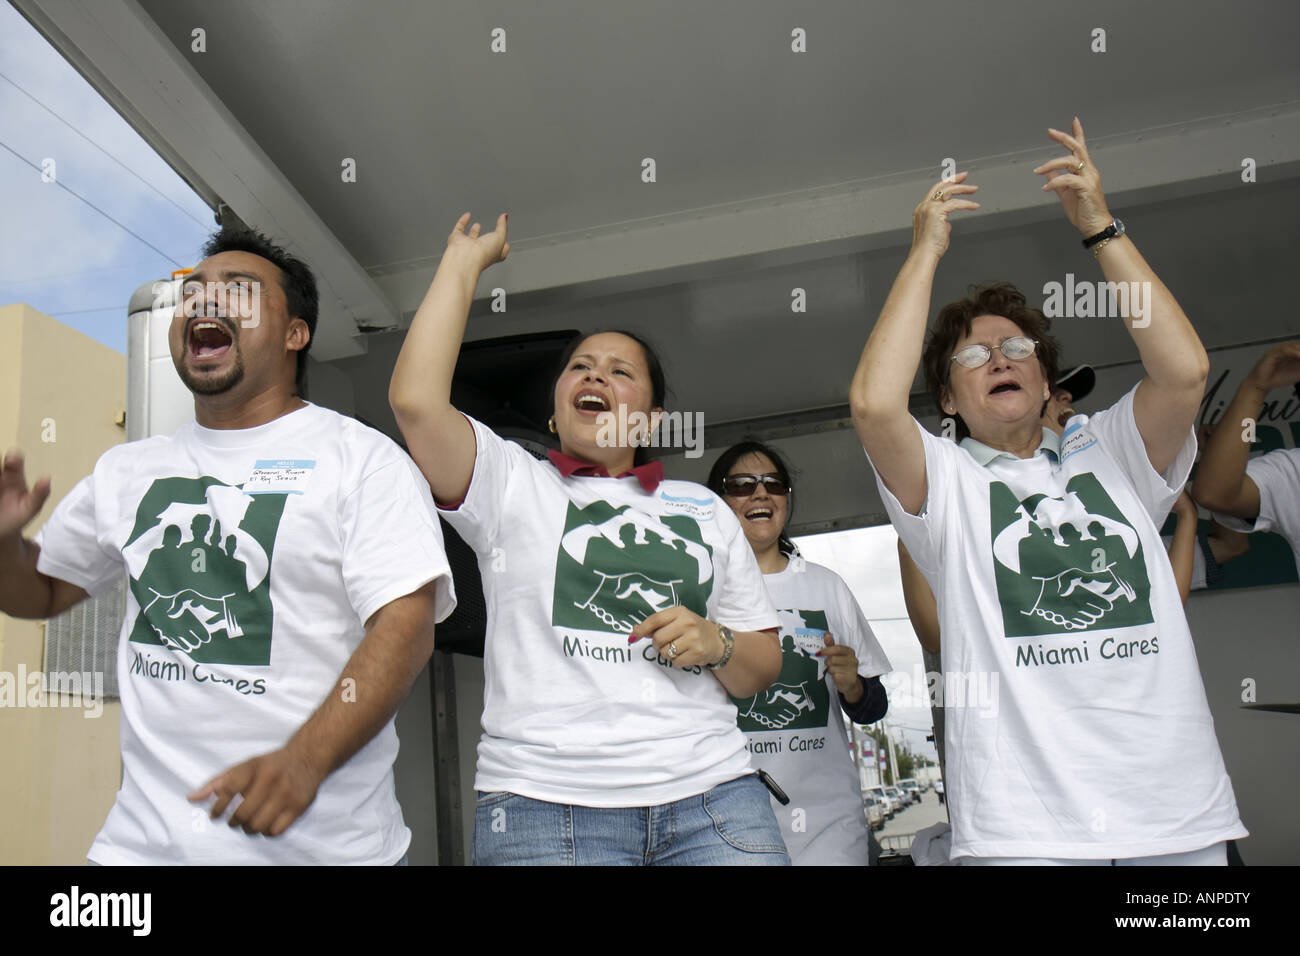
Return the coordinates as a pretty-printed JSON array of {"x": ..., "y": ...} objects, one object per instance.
[
  {"x": 1003, "y": 387},
  {"x": 591, "y": 403},
  {"x": 760, "y": 513},
  {"x": 208, "y": 339}
]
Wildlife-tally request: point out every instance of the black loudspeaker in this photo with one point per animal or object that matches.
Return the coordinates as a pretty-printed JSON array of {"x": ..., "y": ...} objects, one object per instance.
[{"x": 506, "y": 384}]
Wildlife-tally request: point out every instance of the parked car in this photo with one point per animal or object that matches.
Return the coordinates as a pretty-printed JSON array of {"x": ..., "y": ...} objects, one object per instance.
[
  {"x": 903, "y": 799},
  {"x": 911, "y": 788},
  {"x": 874, "y": 811},
  {"x": 887, "y": 804}
]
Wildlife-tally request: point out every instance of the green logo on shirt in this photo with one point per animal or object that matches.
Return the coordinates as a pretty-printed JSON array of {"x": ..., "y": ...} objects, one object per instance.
[
  {"x": 1066, "y": 564},
  {"x": 800, "y": 698},
  {"x": 617, "y": 566},
  {"x": 199, "y": 560}
]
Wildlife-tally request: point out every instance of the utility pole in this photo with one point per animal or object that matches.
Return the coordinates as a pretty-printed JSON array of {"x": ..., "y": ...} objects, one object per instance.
[{"x": 893, "y": 757}]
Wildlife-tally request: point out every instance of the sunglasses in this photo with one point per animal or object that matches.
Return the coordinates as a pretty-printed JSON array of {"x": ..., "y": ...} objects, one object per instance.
[
  {"x": 974, "y": 356},
  {"x": 742, "y": 486}
]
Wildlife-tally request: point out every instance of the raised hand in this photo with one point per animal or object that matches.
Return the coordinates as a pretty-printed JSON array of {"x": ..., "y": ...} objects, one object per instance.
[
  {"x": 18, "y": 504},
  {"x": 1077, "y": 182},
  {"x": 930, "y": 227},
  {"x": 1279, "y": 366},
  {"x": 477, "y": 249}
]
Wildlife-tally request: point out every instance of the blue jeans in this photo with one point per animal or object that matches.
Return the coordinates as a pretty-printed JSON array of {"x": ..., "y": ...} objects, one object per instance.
[{"x": 730, "y": 825}]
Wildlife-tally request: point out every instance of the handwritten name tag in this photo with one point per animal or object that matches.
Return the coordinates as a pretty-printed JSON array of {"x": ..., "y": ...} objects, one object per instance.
[{"x": 279, "y": 476}]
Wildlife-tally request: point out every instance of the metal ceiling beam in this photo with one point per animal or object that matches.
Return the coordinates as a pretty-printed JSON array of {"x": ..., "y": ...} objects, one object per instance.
[
  {"x": 122, "y": 53},
  {"x": 1153, "y": 165}
]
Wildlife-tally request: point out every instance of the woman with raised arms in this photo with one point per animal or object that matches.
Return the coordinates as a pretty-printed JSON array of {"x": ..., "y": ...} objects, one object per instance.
[
  {"x": 622, "y": 609},
  {"x": 1045, "y": 557}
]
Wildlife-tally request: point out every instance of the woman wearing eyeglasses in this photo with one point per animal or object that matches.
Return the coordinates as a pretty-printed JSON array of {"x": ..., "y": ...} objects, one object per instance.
[
  {"x": 622, "y": 609},
  {"x": 1045, "y": 557},
  {"x": 831, "y": 662}
]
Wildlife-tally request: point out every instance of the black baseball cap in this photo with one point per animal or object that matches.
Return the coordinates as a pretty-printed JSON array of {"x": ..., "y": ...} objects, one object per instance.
[{"x": 1078, "y": 381}]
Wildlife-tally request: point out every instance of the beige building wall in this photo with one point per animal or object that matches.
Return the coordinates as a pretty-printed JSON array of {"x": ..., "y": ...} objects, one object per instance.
[{"x": 62, "y": 395}]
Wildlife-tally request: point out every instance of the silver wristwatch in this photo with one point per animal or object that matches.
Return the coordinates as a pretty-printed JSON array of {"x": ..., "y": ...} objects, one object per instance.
[{"x": 728, "y": 646}]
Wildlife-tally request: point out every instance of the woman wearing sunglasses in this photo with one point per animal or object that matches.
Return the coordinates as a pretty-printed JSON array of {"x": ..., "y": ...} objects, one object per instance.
[
  {"x": 1045, "y": 557},
  {"x": 622, "y": 610},
  {"x": 831, "y": 662}
]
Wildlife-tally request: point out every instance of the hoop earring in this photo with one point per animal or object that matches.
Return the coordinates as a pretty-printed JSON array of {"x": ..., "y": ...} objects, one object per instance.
[{"x": 551, "y": 424}]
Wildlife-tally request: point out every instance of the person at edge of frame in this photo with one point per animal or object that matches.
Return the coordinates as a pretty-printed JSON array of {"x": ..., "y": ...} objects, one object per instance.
[{"x": 285, "y": 569}]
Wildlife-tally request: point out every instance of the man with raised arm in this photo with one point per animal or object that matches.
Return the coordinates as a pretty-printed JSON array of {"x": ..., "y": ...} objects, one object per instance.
[{"x": 285, "y": 570}]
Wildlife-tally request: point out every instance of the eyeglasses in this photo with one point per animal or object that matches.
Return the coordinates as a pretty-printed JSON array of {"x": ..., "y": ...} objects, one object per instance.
[
  {"x": 742, "y": 486},
  {"x": 974, "y": 356}
]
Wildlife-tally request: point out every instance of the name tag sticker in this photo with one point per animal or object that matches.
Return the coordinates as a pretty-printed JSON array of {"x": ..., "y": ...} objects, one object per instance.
[
  {"x": 1075, "y": 440},
  {"x": 698, "y": 508},
  {"x": 279, "y": 476},
  {"x": 810, "y": 640}
]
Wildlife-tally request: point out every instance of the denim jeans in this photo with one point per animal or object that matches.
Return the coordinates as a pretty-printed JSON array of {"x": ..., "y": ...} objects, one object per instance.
[{"x": 730, "y": 825}]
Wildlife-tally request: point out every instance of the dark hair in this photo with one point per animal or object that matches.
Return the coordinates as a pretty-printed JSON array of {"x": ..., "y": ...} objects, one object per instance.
[
  {"x": 727, "y": 460},
  {"x": 296, "y": 280},
  {"x": 658, "y": 385},
  {"x": 954, "y": 322}
]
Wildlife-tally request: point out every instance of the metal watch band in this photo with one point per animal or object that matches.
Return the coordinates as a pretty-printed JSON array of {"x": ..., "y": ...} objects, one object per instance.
[{"x": 728, "y": 646}]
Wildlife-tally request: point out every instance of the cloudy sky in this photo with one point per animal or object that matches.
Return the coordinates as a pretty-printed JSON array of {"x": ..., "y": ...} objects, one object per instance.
[{"x": 116, "y": 215}]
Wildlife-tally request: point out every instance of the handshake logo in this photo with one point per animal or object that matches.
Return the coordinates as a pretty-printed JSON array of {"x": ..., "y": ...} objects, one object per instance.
[
  {"x": 1076, "y": 599},
  {"x": 1066, "y": 564},
  {"x": 199, "y": 562}
]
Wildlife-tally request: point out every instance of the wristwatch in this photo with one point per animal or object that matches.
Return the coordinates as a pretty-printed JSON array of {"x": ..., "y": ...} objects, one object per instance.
[
  {"x": 1113, "y": 231},
  {"x": 728, "y": 646}
]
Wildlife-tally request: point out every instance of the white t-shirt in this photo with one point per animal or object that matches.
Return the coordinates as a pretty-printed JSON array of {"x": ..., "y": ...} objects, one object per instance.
[
  {"x": 1277, "y": 476},
  {"x": 572, "y": 713},
  {"x": 257, "y": 555},
  {"x": 795, "y": 728},
  {"x": 1081, "y": 728}
]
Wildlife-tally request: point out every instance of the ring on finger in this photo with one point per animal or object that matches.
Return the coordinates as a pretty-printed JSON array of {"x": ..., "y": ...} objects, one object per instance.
[
  {"x": 672, "y": 649},
  {"x": 1078, "y": 169},
  {"x": 938, "y": 195}
]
